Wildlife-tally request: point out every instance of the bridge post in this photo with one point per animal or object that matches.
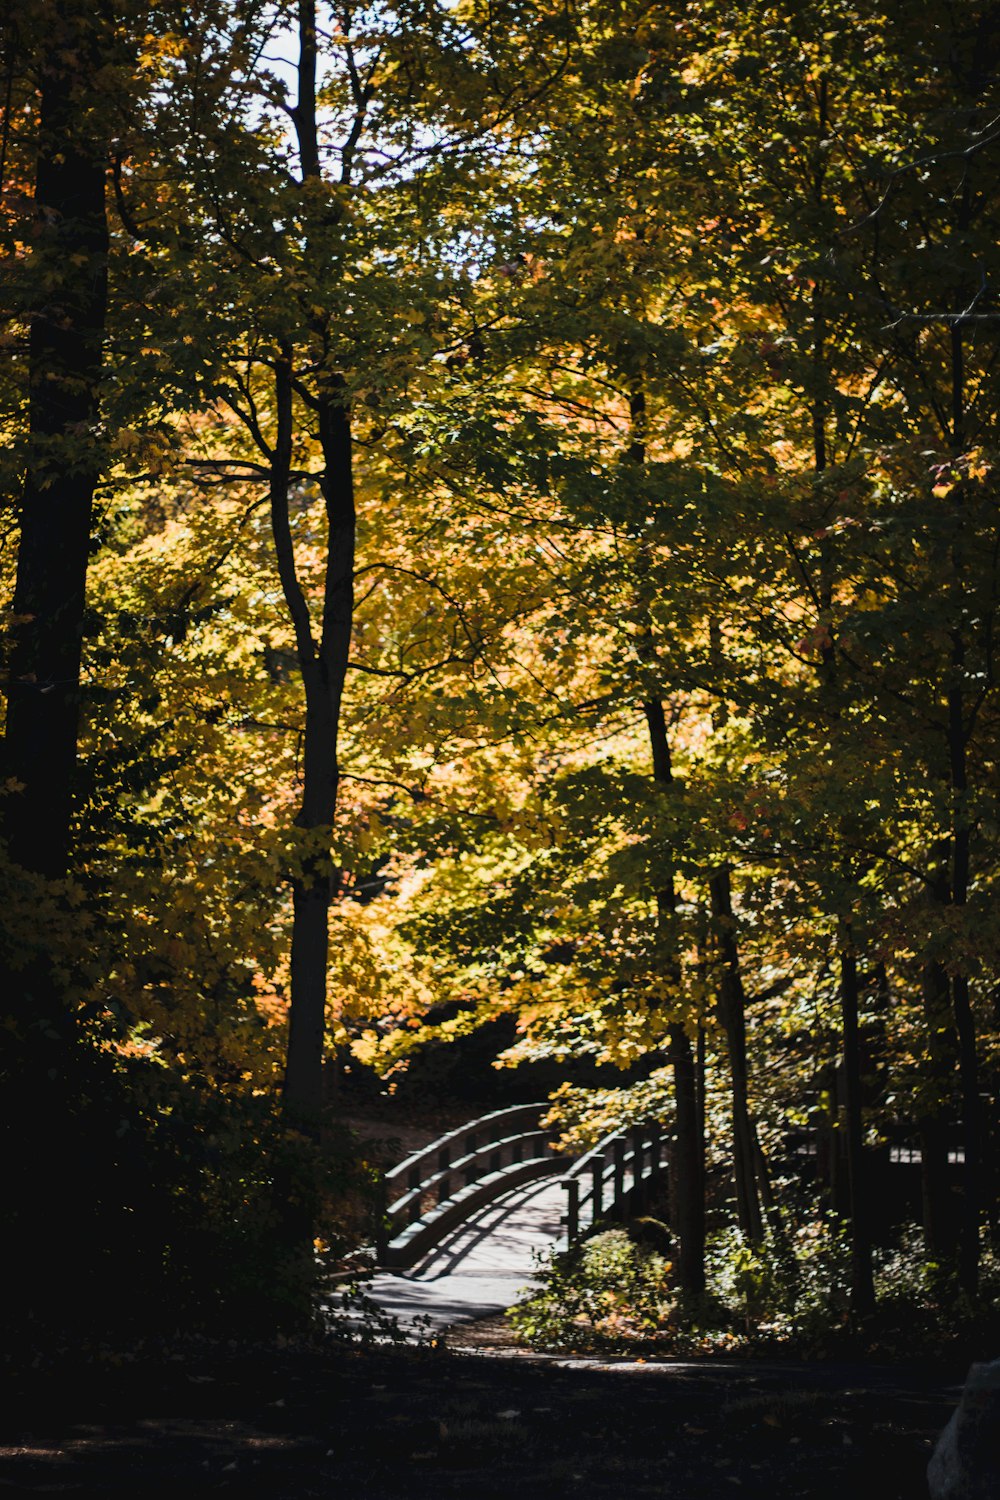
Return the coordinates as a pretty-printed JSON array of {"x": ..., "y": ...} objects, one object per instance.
[
  {"x": 597, "y": 1197},
  {"x": 413, "y": 1183},
  {"x": 656, "y": 1151},
  {"x": 383, "y": 1229},
  {"x": 618, "y": 1148},
  {"x": 444, "y": 1162},
  {"x": 572, "y": 1187},
  {"x": 638, "y": 1135},
  {"x": 468, "y": 1146}
]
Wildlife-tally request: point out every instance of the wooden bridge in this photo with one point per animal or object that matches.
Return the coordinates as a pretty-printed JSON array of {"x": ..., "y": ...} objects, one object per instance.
[{"x": 452, "y": 1181}]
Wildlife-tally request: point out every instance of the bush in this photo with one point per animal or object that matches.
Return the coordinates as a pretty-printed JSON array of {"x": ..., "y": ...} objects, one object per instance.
[
  {"x": 612, "y": 1286},
  {"x": 142, "y": 1204},
  {"x": 616, "y": 1292},
  {"x": 782, "y": 1291},
  {"x": 922, "y": 1306}
]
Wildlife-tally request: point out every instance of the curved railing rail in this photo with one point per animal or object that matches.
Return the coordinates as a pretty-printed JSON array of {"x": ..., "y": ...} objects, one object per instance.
[
  {"x": 431, "y": 1192},
  {"x": 613, "y": 1178},
  {"x": 435, "y": 1189}
]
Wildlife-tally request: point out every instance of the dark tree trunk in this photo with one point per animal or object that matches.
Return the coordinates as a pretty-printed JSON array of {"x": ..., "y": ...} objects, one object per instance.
[
  {"x": 958, "y": 733},
  {"x": 732, "y": 1012},
  {"x": 324, "y": 685},
  {"x": 324, "y": 670},
  {"x": 69, "y": 263},
  {"x": 938, "y": 1219},
  {"x": 323, "y": 664},
  {"x": 862, "y": 1280},
  {"x": 689, "y": 1194},
  {"x": 732, "y": 1008},
  {"x": 689, "y": 1185}
]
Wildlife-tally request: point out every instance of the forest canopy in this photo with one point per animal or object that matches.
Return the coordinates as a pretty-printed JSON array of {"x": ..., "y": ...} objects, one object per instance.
[{"x": 501, "y": 520}]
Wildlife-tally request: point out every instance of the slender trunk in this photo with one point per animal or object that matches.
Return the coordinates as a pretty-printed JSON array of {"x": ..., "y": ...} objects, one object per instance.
[
  {"x": 732, "y": 1008},
  {"x": 964, "y": 1018},
  {"x": 938, "y": 1219},
  {"x": 690, "y": 1195},
  {"x": 732, "y": 1012},
  {"x": 312, "y": 893},
  {"x": 701, "y": 1081},
  {"x": 324, "y": 671},
  {"x": 323, "y": 664},
  {"x": 965, "y": 1027},
  {"x": 856, "y": 1197},
  {"x": 69, "y": 256},
  {"x": 862, "y": 1280},
  {"x": 689, "y": 1185}
]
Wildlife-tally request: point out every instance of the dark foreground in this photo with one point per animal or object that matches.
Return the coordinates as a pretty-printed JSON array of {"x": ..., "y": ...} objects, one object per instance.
[{"x": 374, "y": 1425}]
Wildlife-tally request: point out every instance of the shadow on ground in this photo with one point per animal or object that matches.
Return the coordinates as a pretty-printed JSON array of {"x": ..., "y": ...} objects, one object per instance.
[{"x": 389, "y": 1425}]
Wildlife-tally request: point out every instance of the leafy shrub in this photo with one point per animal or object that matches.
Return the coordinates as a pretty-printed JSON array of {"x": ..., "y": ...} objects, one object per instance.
[
  {"x": 922, "y": 1306},
  {"x": 141, "y": 1204},
  {"x": 610, "y": 1286},
  {"x": 616, "y": 1291},
  {"x": 782, "y": 1290}
]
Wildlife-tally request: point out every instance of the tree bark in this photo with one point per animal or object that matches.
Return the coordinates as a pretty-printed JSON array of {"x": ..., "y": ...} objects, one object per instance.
[
  {"x": 324, "y": 682},
  {"x": 957, "y": 734},
  {"x": 689, "y": 1186},
  {"x": 862, "y": 1279},
  {"x": 732, "y": 1012},
  {"x": 938, "y": 1220},
  {"x": 732, "y": 1008},
  {"x": 323, "y": 663},
  {"x": 69, "y": 258}
]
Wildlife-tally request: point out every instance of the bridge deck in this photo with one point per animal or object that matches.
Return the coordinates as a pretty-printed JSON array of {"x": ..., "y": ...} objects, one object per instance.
[{"x": 479, "y": 1269}]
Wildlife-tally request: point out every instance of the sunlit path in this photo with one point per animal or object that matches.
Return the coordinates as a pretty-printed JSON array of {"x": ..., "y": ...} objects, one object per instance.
[{"x": 479, "y": 1270}]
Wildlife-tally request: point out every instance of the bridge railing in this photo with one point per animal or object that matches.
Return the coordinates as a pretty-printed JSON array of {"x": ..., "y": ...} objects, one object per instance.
[
  {"x": 427, "y": 1195},
  {"x": 613, "y": 1178}
]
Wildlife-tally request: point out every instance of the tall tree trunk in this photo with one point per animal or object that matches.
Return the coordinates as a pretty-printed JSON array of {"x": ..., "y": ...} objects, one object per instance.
[
  {"x": 323, "y": 663},
  {"x": 689, "y": 1187},
  {"x": 732, "y": 1012},
  {"x": 938, "y": 1220},
  {"x": 965, "y": 1026},
  {"x": 323, "y": 667},
  {"x": 69, "y": 265},
  {"x": 732, "y": 1008},
  {"x": 862, "y": 1279},
  {"x": 324, "y": 684}
]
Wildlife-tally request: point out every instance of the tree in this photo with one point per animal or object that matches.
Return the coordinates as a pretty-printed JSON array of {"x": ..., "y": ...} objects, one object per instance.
[{"x": 68, "y": 312}]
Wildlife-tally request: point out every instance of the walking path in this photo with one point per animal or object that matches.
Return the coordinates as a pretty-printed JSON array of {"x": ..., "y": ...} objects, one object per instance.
[{"x": 479, "y": 1271}]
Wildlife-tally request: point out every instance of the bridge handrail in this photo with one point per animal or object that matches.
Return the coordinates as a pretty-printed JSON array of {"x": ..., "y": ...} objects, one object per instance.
[
  {"x": 472, "y": 1127},
  {"x": 467, "y": 1166},
  {"x": 636, "y": 1152},
  {"x": 495, "y": 1156}
]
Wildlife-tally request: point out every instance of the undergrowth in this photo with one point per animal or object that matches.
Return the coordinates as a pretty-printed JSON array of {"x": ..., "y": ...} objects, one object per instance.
[{"x": 616, "y": 1291}]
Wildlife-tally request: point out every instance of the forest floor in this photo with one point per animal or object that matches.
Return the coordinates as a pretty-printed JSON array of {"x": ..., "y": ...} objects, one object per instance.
[{"x": 395, "y": 1423}]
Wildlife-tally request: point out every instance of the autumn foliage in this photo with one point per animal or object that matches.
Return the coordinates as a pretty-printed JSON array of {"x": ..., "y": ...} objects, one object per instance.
[{"x": 501, "y": 519}]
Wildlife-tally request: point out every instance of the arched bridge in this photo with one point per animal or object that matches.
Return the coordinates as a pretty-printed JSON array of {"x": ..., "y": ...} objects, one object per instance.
[{"x": 464, "y": 1216}]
